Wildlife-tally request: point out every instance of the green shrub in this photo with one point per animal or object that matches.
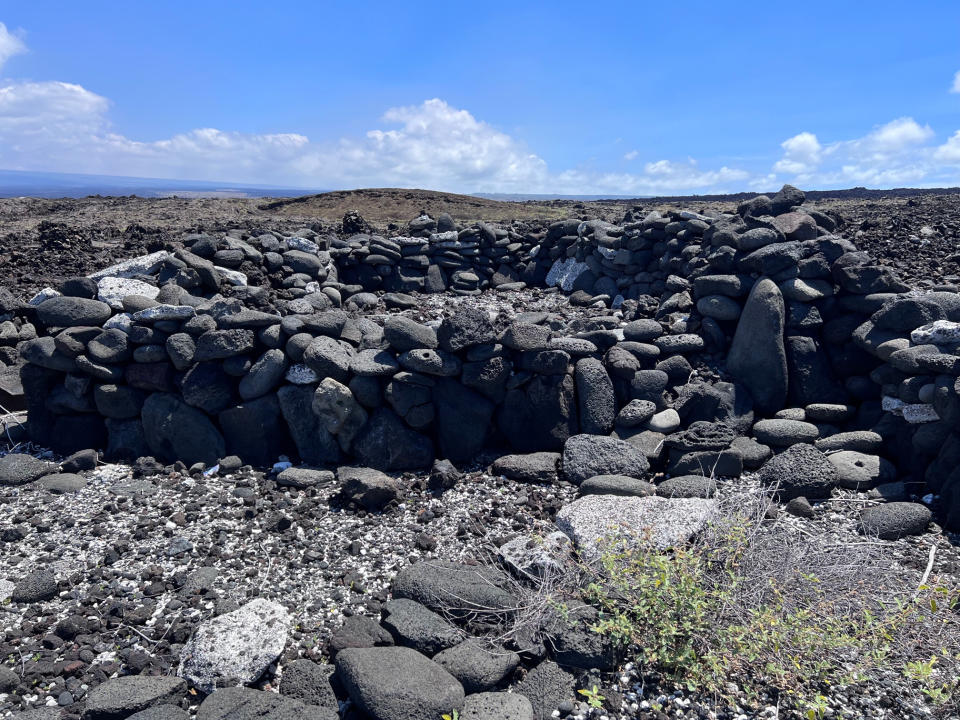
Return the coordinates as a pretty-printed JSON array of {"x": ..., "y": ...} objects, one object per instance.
[{"x": 770, "y": 607}]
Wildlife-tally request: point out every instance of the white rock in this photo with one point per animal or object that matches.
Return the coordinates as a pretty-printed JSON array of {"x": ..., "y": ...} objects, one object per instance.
[
  {"x": 45, "y": 294},
  {"x": 939, "y": 332},
  {"x": 165, "y": 312},
  {"x": 234, "y": 277},
  {"x": 535, "y": 557},
  {"x": 608, "y": 253},
  {"x": 302, "y": 244},
  {"x": 236, "y": 647},
  {"x": 564, "y": 273},
  {"x": 301, "y": 374},
  {"x": 112, "y": 290},
  {"x": 891, "y": 404},
  {"x": 665, "y": 421},
  {"x": 6, "y": 589},
  {"x": 664, "y": 522},
  {"x": 145, "y": 265},
  {"x": 120, "y": 321},
  {"x": 919, "y": 413}
]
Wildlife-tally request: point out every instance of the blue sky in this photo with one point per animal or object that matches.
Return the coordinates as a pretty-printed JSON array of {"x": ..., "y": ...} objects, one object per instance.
[{"x": 618, "y": 98}]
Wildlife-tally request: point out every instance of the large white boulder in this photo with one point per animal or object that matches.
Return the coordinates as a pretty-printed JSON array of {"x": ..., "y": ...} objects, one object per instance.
[
  {"x": 593, "y": 522},
  {"x": 236, "y": 647}
]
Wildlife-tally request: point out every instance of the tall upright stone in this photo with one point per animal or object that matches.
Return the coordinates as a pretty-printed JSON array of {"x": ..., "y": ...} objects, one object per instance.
[{"x": 757, "y": 356}]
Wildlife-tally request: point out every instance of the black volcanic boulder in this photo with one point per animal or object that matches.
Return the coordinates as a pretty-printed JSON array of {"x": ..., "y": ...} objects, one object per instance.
[
  {"x": 386, "y": 443},
  {"x": 64, "y": 312},
  {"x": 595, "y": 396},
  {"x": 20, "y": 469},
  {"x": 398, "y": 683},
  {"x": 800, "y": 470},
  {"x": 463, "y": 418},
  {"x": 176, "y": 431},
  {"x": 466, "y": 328},
  {"x": 314, "y": 443},
  {"x": 456, "y": 589},
  {"x": 541, "y": 415},
  {"x": 206, "y": 386},
  {"x": 585, "y": 456},
  {"x": 254, "y": 430},
  {"x": 757, "y": 356}
]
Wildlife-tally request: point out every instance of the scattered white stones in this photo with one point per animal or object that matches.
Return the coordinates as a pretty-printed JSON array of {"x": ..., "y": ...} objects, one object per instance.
[
  {"x": 6, "y": 589},
  {"x": 563, "y": 273},
  {"x": 112, "y": 290},
  {"x": 939, "y": 332},
  {"x": 236, "y": 647},
  {"x": 144, "y": 265}
]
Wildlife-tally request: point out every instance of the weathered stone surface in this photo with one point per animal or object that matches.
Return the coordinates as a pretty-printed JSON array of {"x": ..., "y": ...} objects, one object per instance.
[
  {"x": 20, "y": 469},
  {"x": 239, "y": 703},
  {"x": 585, "y": 456},
  {"x": 894, "y": 520},
  {"x": 397, "y": 683},
  {"x": 800, "y": 470},
  {"x": 236, "y": 647},
  {"x": 455, "y": 588},
  {"x": 592, "y": 520},
  {"x": 176, "y": 431},
  {"x": 121, "y": 697},
  {"x": 757, "y": 356}
]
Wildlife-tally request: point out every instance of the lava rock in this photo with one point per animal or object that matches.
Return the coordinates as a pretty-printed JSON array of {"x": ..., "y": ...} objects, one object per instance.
[
  {"x": 118, "y": 698},
  {"x": 397, "y": 683},
  {"x": 757, "y": 356},
  {"x": 800, "y": 470},
  {"x": 20, "y": 469},
  {"x": 585, "y": 456},
  {"x": 895, "y": 520}
]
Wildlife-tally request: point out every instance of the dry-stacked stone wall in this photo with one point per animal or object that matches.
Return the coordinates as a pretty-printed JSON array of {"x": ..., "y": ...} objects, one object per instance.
[{"x": 757, "y": 340}]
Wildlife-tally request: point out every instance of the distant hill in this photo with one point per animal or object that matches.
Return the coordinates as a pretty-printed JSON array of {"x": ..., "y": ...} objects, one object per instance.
[
  {"x": 20, "y": 183},
  {"x": 380, "y": 206}
]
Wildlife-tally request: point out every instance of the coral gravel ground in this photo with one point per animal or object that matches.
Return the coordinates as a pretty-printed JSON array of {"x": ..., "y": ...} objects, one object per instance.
[{"x": 144, "y": 557}]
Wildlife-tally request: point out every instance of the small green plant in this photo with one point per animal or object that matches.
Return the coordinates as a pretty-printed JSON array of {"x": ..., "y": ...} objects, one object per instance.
[
  {"x": 770, "y": 609},
  {"x": 593, "y": 696},
  {"x": 454, "y": 715}
]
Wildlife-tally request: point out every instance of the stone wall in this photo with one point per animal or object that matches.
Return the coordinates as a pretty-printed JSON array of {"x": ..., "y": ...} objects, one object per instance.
[{"x": 264, "y": 346}]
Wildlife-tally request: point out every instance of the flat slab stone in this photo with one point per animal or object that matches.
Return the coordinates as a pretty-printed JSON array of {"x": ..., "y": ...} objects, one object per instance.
[
  {"x": 112, "y": 290},
  {"x": 236, "y": 647},
  {"x": 664, "y": 522},
  {"x": 145, "y": 265}
]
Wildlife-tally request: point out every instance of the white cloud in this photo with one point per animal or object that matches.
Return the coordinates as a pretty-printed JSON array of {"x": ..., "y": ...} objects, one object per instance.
[
  {"x": 801, "y": 154},
  {"x": 949, "y": 152},
  {"x": 10, "y": 45},
  {"x": 58, "y": 126},
  {"x": 955, "y": 88},
  {"x": 896, "y": 153}
]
